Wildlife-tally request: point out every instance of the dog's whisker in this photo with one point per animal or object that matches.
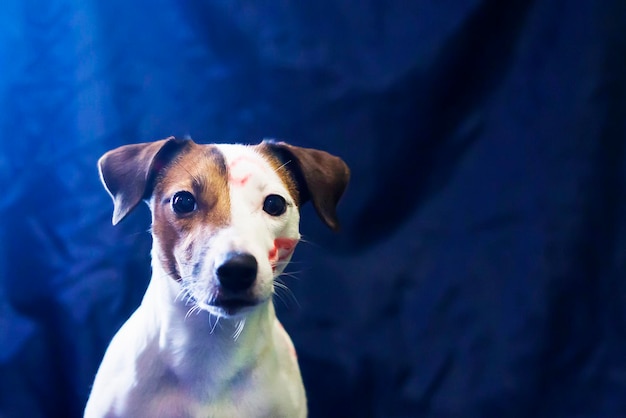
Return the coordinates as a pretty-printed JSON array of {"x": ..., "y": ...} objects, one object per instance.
[
  {"x": 280, "y": 167},
  {"x": 184, "y": 293},
  {"x": 278, "y": 283},
  {"x": 175, "y": 275},
  {"x": 286, "y": 296},
  {"x": 239, "y": 329},
  {"x": 280, "y": 287},
  {"x": 190, "y": 311},
  {"x": 196, "y": 179},
  {"x": 307, "y": 242},
  {"x": 191, "y": 300},
  {"x": 217, "y": 320},
  {"x": 290, "y": 274},
  {"x": 281, "y": 298}
]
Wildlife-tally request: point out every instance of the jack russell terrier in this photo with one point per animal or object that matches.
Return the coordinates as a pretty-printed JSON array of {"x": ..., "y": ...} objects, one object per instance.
[{"x": 205, "y": 341}]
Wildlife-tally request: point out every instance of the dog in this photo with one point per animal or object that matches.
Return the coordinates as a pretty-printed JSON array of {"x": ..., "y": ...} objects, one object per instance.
[{"x": 205, "y": 341}]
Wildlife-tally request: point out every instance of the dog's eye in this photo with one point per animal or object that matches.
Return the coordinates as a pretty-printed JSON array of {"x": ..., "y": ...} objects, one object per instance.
[
  {"x": 183, "y": 202},
  {"x": 275, "y": 205}
]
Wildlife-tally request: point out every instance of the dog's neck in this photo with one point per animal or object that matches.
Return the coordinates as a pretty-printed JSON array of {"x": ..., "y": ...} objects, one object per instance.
[{"x": 192, "y": 342}]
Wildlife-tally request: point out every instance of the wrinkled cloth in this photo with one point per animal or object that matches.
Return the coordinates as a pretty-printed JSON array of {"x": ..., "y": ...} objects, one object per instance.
[{"x": 480, "y": 267}]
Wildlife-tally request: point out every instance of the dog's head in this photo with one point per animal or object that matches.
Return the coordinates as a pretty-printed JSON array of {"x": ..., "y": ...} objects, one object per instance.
[{"x": 224, "y": 217}]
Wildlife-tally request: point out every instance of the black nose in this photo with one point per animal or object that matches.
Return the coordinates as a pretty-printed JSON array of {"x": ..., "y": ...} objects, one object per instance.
[{"x": 238, "y": 272}]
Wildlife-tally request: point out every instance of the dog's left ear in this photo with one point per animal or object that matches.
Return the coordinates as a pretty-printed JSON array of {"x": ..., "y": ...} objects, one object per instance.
[
  {"x": 128, "y": 172},
  {"x": 320, "y": 177}
]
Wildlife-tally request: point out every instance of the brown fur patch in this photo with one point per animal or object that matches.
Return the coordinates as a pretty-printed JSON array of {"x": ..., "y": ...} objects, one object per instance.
[
  {"x": 200, "y": 170},
  {"x": 283, "y": 172}
]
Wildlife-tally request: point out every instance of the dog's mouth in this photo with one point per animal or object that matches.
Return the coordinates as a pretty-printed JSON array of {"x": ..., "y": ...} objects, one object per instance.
[
  {"x": 232, "y": 303},
  {"x": 232, "y": 306}
]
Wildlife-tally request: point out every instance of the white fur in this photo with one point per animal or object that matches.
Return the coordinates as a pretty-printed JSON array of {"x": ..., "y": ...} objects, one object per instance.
[{"x": 176, "y": 359}]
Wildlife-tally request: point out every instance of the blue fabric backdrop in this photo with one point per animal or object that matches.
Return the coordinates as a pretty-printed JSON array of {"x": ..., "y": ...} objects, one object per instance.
[{"x": 480, "y": 270}]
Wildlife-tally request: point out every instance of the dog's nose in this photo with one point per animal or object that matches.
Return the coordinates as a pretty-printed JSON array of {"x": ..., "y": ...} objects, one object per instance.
[{"x": 238, "y": 272}]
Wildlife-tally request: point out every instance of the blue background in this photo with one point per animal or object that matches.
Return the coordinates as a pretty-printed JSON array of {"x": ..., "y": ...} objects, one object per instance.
[{"x": 480, "y": 269}]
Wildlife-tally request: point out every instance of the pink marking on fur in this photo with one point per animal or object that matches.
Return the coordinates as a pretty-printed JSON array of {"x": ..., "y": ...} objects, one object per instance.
[
  {"x": 241, "y": 179},
  {"x": 272, "y": 255},
  {"x": 283, "y": 248}
]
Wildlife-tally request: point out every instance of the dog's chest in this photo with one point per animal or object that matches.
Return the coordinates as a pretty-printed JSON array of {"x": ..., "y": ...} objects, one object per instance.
[
  {"x": 255, "y": 392},
  {"x": 237, "y": 401}
]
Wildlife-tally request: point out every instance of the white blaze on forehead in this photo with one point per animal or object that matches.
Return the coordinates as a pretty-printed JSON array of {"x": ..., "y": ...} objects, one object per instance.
[
  {"x": 244, "y": 164},
  {"x": 247, "y": 168}
]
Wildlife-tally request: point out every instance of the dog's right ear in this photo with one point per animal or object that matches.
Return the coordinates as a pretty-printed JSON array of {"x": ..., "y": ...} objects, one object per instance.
[
  {"x": 321, "y": 177},
  {"x": 128, "y": 172}
]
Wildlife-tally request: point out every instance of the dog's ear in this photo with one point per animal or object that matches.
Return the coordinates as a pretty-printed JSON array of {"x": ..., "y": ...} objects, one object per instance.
[
  {"x": 128, "y": 172},
  {"x": 320, "y": 177}
]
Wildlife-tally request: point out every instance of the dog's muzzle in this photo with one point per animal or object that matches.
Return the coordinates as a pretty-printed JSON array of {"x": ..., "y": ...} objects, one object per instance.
[{"x": 236, "y": 277}]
